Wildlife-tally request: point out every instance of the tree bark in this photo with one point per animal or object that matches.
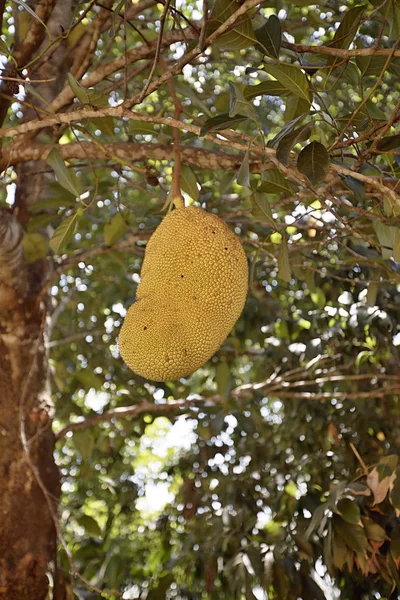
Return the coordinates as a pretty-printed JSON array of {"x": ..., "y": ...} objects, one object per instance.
[{"x": 29, "y": 480}]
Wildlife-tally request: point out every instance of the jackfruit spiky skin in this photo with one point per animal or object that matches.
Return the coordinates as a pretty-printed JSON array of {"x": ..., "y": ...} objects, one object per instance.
[{"x": 192, "y": 291}]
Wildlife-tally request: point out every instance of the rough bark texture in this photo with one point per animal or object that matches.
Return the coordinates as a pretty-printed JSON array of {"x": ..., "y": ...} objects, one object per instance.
[{"x": 27, "y": 531}]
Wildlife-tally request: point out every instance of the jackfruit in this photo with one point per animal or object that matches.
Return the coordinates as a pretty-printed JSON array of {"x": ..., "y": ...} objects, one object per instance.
[{"x": 192, "y": 291}]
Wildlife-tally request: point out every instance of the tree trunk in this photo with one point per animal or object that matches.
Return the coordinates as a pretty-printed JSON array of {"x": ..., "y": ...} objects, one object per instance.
[{"x": 29, "y": 480}]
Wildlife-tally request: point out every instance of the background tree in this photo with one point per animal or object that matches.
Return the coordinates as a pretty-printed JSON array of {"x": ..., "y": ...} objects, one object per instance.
[{"x": 282, "y": 117}]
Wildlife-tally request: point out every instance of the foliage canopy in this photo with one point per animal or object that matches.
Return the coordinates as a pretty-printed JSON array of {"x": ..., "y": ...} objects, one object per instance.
[{"x": 285, "y": 483}]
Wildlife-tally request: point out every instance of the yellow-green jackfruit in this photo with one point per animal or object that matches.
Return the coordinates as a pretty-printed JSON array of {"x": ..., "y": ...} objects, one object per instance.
[{"x": 192, "y": 291}]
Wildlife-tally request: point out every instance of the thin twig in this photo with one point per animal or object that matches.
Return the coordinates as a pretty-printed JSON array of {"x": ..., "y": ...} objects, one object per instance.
[{"x": 142, "y": 95}]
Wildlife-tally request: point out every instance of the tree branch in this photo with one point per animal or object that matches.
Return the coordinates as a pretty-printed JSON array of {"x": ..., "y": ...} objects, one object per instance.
[
  {"x": 274, "y": 387},
  {"x": 340, "y": 52},
  {"x": 205, "y": 159}
]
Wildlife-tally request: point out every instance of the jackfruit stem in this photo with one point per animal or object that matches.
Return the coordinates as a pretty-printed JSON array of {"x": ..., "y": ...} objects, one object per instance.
[{"x": 179, "y": 201}]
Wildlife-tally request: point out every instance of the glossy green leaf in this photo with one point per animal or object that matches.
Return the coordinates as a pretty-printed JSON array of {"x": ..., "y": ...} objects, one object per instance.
[
  {"x": 65, "y": 177},
  {"x": 292, "y": 78},
  {"x": 313, "y": 161},
  {"x": 347, "y": 30},
  {"x": 270, "y": 36},
  {"x": 241, "y": 35},
  {"x": 115, "y": 229}
]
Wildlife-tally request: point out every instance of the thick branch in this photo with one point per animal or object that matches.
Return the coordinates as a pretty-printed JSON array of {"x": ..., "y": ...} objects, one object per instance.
[{"x": 205, "y": 159}]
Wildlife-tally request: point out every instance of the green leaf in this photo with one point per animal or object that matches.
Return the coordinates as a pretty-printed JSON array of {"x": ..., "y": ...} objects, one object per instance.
[
  {"x": 86, "y": 95},
  {"x": 291, "y": 139},
  {"x": 238, "y": 105},
  {"x": 374, "y": 532},
  {"x": 265, "y": 88},
  {"x": 292, "y": 78},
  {"x": 385, "y": 234},
  {"x": 242, "y": 33},
  {"x": 84, "y": 443},
  {"x": 243, "y": 176},
  {"x": 339, "y": 551},
  {"x": 189, "y": 182},
  {"x": 396, "y": 244},
  {"x": 318, "y": 519},
  {"x": 273, "y": 182},
  {"x": 90, "y": 379},
  {"x": 390, "y": 142},
  {"x": 64, "y": 176},
  {"x": 349, "y": 510},
  {"x": 296, "y": 107},
  {"x": 90, "y": 525},
  {"x": 186, "y": 91},
  {"x": 114, "y": 230},
  {"x": 222, "y": 377},
  {"x": 4, "y": 49},
  {"x": 270, "y": 37},
  {"x": 346, "y": 31},
  {"x": 286, "y": 130},
  {"x": 261, "y": 209},
  {"x": 223, "y": 121},
  {"x": 372, "y": 293},
  {"x": 35, "y": 247},
  {"x": 39, "y": 222},
  {"x": 64, "y": 233},
  {"x": 313, "y": 161},
  {"x": 140, "y": 128},
  {"x": 104, "y": 124},
  {"x": 371, "y": 66},
  {"x": 353, "y": 535},
  {"x": 284, "y": 271},
  {"x": 355, "y": 186},
  {"x": 318, "y": 297}
]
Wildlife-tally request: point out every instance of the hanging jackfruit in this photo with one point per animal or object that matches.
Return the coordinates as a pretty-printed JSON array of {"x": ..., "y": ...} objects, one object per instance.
[{"x": 192, "y": 291}]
